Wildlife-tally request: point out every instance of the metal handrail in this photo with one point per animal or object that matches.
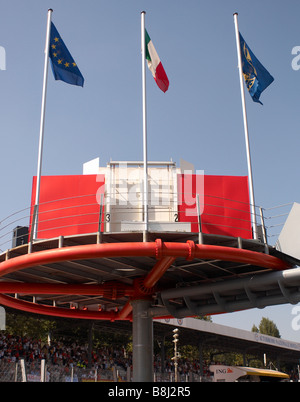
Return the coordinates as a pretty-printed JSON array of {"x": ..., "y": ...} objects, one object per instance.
[{"x": 11, "y": 221}]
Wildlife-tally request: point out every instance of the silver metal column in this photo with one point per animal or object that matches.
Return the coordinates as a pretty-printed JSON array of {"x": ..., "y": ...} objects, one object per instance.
[{"x": 142, "y": 342}]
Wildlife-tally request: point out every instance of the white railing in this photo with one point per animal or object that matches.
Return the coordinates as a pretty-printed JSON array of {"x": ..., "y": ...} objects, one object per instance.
[
  {"x": 81, "y": 215},
  {"x": 43, "y": 371},
  {"x": 274, "y": 220}
]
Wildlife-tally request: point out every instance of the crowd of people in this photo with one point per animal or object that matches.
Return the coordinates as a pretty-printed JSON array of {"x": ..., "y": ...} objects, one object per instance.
[
  {"x": 62, "y": 357},
  {"x": 13, "y": 348},
  {"x": 70, "y": 354}
]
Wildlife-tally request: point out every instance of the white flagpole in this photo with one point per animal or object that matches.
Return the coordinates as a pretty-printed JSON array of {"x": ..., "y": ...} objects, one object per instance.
[
  {"x": 42, "y": 125},
  {"x": 144, "y": 125},
  {"x": 251, "y": 190}
]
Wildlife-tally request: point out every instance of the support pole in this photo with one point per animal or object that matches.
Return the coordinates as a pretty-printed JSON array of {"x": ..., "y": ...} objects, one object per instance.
[
  {"x": 201, "y": 363},
  {"x": 34, "y": 225},
  {"x": 23, "y": 370},
  {"x": 142, "y": 342},
  {"x": 99, "y": 234},
  {"x": 43, "y": 370},
  {"x": 143, "y": 44},
  {"x": 90, "y": 343},
  {"x": 251, "y": 190},
  {"x": 263, "y": 227},
  {"x": 200, "y": 234}
]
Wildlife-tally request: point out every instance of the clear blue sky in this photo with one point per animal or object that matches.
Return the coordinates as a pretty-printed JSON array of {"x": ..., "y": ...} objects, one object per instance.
[{"x": 199, "y": 119}]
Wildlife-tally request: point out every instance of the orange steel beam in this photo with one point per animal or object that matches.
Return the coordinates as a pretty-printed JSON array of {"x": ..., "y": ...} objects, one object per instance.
[
  {"x": 57, "y": 311},
  {"x": 145, "y": 287},
  {"x": 125, "y": 312},
  {"x": 112, "y": 290},
  {"x": 165, "y": 253},
  {"x": 109, "y": 290},
  {"x": 156, "y": 249},
  {"x": 158, "y": 271}
]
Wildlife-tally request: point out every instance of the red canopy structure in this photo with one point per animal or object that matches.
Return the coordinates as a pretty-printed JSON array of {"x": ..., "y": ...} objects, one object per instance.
[{"x": 90, "y": 259}]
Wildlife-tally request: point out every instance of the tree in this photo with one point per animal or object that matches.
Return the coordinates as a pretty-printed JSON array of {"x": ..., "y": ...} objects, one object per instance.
[
  {"x": 267, "y": 327},
  {"x": 26, "y": 325},
  {"x": 204, "y": 317}
]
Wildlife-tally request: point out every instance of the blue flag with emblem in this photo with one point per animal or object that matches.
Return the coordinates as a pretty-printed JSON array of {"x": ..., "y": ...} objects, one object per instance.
[
  {"x": 63, "y": 65},
  {"x": 257, "y": 78}
]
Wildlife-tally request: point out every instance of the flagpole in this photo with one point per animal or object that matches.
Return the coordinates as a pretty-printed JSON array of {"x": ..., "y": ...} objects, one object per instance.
[
  {"x": 251, "y": 190},
  {"x": 42, "y": 125},
  {"x": 144, "y": 125}
]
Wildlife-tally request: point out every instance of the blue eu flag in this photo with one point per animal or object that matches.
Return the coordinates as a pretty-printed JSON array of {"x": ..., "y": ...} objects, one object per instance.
[
  {"x": 63, "y": 65},
  {"x": 257, "y": 78}
]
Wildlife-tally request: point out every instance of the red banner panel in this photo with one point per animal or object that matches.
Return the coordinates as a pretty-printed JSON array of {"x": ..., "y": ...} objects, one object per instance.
[
  {"x": 69, "y": 205},
  {"x": 224, "y": 204}
]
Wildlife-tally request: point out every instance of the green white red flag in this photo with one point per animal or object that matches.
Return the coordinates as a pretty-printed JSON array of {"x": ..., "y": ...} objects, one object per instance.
[{"x": 155, "y": 65}]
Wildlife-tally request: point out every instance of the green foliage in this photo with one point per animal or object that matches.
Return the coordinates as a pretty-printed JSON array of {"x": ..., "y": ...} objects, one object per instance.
[
  {"x": 267, "y": 327},
  {"x": 204, "y": 318},
  {"x": 23, "y": 325},
  {"x": 67, "y": 330},
  {"x": 107, "y": 339}
]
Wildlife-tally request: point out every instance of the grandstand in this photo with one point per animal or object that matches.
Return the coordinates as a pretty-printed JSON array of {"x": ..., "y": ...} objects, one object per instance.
[
  {"x": 66, "y": 359},
  {"x": 224, "y": 339},
  {"x": 229, "y": 339}
]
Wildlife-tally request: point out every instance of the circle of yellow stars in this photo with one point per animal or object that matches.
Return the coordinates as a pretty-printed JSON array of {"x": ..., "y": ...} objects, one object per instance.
[{"x": 55, "y": 54}]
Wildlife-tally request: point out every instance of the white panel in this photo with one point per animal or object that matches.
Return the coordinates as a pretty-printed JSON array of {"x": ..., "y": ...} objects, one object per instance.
[
  {"x": 91, "y": 167},
  {"x": 156, "y": 226},
  {"x": 289, "y": 239},
  {"x": 124, "y": 197}
]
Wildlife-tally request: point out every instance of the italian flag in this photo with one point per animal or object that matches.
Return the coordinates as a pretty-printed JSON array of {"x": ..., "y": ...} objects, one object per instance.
[{"x": 155, "y": 65}]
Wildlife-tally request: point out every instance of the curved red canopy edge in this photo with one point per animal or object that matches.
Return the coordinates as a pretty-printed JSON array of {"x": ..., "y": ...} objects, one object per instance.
[{"x": 164, "y": 252}]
